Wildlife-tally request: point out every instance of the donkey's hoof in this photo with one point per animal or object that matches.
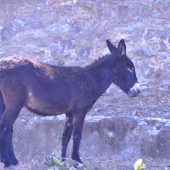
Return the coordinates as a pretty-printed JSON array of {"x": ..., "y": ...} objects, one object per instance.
[
  {"x": 7, "y": 165},
  {"x": 12, "y": 163},
  {"x": 63, "y": 160},
  {"x": 77, "y": 159},
  {"x": 79, "y": 165},
  {"x": 15, "y": 162}
]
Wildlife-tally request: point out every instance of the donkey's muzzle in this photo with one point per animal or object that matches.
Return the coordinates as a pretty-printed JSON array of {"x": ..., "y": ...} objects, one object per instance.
[{"x": 134, "y": 91}]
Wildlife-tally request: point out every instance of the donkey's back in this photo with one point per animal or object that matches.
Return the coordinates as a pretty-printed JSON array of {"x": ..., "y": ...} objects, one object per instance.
[{"x": 45, "y": 89}]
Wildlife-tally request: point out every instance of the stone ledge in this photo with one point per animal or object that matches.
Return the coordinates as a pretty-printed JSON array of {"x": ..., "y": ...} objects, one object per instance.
[{"x": 127, "y": 137}]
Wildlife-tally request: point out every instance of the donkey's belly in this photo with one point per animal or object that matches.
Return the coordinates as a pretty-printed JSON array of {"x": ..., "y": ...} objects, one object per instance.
[{"x": 43, "y": 106}]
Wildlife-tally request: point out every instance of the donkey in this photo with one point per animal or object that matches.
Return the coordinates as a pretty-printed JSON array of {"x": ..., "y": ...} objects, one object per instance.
[{"x": 50, "y": 90}]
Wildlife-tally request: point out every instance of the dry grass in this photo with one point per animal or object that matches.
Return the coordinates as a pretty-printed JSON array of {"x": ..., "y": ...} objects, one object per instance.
[{"x": 97, "y": 164}]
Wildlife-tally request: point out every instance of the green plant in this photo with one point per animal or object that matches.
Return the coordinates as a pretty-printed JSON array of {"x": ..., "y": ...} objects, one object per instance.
[{"x": 53, "y": 163}]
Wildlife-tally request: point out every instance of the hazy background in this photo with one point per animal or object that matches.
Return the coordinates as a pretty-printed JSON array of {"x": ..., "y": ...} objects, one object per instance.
[{"x": 73, "y": 32}]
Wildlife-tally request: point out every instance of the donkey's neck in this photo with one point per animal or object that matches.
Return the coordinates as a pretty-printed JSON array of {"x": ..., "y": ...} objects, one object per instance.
[{"x": 102, "y": 71}]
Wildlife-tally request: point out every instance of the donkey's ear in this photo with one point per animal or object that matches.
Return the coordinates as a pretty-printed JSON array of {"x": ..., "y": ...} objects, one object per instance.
[
  {"x": 111, "y": 47},
  {"x": 122, "y": 48}
]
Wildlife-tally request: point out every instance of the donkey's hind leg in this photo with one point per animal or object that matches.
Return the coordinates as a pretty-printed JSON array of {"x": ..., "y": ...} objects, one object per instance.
[
  {"x": 66, "y": 134},
  {"x": 6, "y": 132},
  {"x": 12, "y": 109},
  {"x": 2, "y": 108}
]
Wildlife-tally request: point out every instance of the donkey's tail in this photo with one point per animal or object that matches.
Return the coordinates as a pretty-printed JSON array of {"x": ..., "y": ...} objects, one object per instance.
[{"x": 2, "y": 106}]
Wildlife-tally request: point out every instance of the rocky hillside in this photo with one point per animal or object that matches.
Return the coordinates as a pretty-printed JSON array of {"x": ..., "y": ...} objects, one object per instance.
[{"x": 73, "y": 32}]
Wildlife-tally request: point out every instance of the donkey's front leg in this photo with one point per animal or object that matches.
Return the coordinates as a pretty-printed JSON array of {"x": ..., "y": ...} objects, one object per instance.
[
  {"x": 66, "y": 134},
  {"x": 78, "y": 121}
]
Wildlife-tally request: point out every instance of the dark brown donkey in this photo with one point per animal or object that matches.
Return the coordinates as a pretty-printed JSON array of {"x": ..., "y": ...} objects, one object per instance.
[{"x": 50, "y": 90}]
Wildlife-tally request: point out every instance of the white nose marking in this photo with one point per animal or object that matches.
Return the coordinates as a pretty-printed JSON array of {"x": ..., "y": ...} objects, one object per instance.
[{"x": 136, "y": 87}]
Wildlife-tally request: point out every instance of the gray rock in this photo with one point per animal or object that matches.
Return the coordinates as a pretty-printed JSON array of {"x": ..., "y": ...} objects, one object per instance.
[
  {"x": 7, "y": 34},
  {"x": 84, "y": 52},
  {"x": 69, "y": 44},
  {"x": 74, "y": 26},
  {"x": 18, "y": 25},
  {"x": 56, "y": 47},
  {"x": 59, "y": 27}
]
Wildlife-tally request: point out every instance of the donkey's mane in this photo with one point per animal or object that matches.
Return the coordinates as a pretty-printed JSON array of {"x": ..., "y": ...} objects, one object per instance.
[{"x": 104, "y": 60}]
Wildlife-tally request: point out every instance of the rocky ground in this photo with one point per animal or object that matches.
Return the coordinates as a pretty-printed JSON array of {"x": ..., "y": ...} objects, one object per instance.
[{"x": 103, "y": 164}]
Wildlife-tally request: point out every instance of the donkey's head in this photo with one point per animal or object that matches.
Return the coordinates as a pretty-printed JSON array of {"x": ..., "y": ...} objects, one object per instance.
[{"x": 124, "y": 69}]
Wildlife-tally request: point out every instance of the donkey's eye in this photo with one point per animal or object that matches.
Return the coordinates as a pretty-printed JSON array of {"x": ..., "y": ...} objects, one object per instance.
[{"x": 131, "y": 69}]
